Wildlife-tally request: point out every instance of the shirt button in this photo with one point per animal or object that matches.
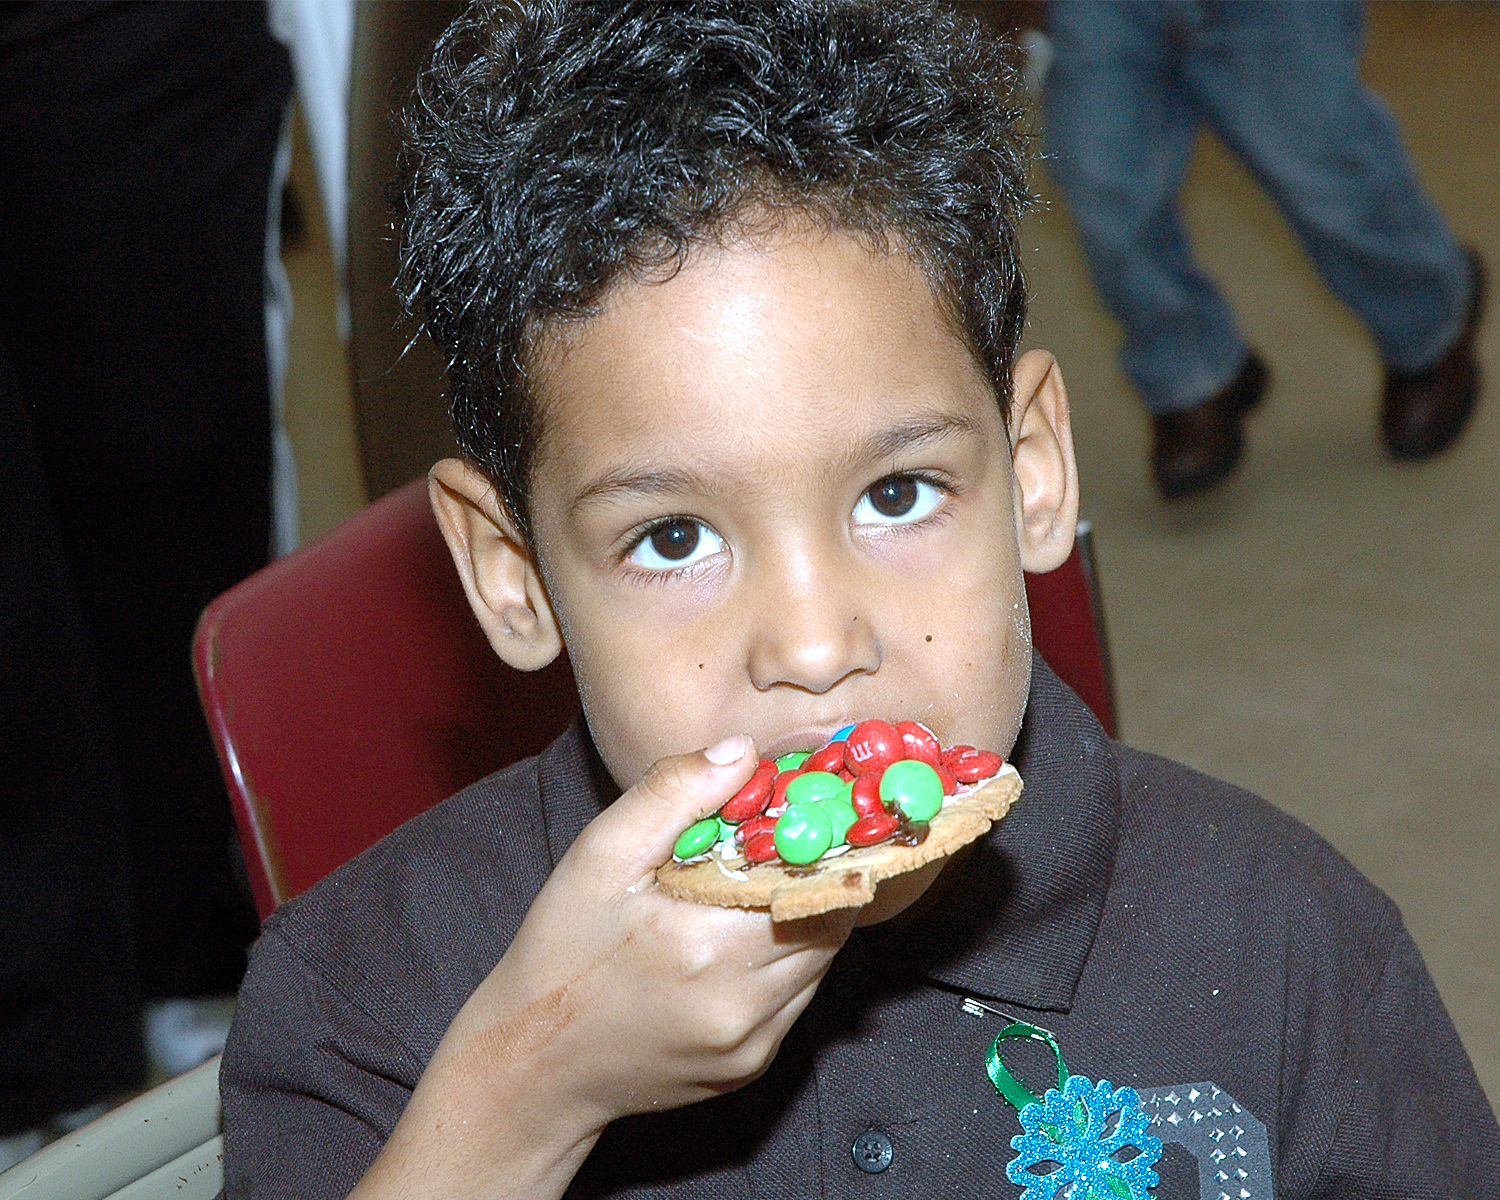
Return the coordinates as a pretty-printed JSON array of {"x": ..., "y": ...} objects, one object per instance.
[{"x": 872, "y": 1151}]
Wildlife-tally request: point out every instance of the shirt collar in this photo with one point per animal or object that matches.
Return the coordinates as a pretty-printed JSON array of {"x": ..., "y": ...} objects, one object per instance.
[
  {"x": 1019, "y": 917},
  {"x": 575, "y": 787},
  {"x": 1018, "y": 920}
]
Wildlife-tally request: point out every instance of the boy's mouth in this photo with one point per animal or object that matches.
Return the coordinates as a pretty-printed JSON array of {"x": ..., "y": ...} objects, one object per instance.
[{"x": 809, "y": 739}]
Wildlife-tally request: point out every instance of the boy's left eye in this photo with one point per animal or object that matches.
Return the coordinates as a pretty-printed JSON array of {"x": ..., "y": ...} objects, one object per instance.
[
  {"x": 674, "y": 544},
  {"x": 897, "y": 500}
]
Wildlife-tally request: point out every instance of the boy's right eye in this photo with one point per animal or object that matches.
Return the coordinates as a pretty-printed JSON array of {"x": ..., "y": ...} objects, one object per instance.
[{"x": 675, "y": 543}]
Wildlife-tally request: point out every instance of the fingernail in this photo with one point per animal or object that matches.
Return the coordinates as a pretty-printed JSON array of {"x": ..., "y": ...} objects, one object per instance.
[{"x": 730, "y": 750}]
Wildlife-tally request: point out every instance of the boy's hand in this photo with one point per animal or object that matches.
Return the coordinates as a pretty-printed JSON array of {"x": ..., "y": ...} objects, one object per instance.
[
  {"x": 613, "y": 998},
  {"x": 640, "y": 1001}
]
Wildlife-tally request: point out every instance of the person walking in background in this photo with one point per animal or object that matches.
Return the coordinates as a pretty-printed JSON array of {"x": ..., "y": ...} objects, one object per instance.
[{"x": 1127, "y": 91}]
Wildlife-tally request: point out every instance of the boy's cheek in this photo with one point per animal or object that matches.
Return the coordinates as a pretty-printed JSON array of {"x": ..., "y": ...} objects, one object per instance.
[
  {"x": 971, "y": 646},
  {"x": 632, "y": 686},
  {"x": 981, "y": 681}
]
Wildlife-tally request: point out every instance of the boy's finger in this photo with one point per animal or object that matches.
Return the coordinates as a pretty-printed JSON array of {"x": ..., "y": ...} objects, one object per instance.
[{"x": 674, "y": 793}]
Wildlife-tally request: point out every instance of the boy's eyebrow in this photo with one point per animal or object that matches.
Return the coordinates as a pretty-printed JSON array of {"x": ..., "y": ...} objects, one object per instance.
[
  {"x": 882, "y": 444},
  {"x": 639, "y": 483},
  {"x": 887, "y": 443}
]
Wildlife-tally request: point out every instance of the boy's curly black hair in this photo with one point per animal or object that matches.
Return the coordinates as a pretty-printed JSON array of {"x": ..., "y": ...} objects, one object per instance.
[{"x": 552, "y": 146}]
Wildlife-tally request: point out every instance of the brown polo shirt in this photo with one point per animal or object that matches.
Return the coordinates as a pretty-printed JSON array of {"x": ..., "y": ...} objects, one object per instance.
[{"x": 1178, "y": 935}]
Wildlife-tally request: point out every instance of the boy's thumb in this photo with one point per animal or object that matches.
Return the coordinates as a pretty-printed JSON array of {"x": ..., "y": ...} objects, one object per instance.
[{"x": 676, "y": 792}]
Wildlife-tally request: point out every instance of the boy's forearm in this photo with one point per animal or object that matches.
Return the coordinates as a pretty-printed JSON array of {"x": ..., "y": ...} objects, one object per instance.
[{"x": 467, "y": 1132}]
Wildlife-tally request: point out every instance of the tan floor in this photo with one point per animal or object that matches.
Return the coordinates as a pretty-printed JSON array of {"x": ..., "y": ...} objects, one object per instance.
[{"x": 1323, "y": 630}]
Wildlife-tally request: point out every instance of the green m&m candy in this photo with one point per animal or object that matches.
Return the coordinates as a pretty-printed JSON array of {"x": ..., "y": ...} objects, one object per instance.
[
  {"x": 841, "y": 813},
  {"x": 697, "y": 839},
  {"x": 814, "y": 786},
  {"x": 790, "y": 762},
  {"x": 803, "y": 833},
  {"x": 913, "y": 788}
]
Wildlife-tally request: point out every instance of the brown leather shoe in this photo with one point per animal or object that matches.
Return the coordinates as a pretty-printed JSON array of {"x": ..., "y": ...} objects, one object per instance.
[
  {"x": 1199, "y": 447},
  {"x": 1423, "y": 413}
]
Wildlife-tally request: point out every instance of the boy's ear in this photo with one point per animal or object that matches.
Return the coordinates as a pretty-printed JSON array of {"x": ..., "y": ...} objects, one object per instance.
[
  {"x": 1046, "y": 475},
  {"x": 502, "y": 582}
]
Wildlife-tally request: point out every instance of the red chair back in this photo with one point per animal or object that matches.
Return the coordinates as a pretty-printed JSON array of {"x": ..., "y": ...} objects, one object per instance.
[
  {"x": 1067, "y": 627},
  {"x": 348, "y": 688}
]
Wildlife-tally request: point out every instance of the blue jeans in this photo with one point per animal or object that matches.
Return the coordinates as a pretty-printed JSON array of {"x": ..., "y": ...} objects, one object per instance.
[{"x": 1129, "y": 86}]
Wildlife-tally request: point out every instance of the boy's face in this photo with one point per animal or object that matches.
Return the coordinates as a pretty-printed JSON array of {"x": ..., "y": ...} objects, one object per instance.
[{"x": 774, "y": 495}]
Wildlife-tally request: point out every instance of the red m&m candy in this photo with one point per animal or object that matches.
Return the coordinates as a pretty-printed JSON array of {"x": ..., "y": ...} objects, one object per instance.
[
  {"x": 872, "y": 746},
  {"x": 871, "y": 829},
  {"x": 865, "y": 795},
  {"x": 751, "y": 800},
  {"x": 753, "y": 826},
  {"x": 973, "y": 765},
  {"x": 919, "y": 743},
  {"x": 762, "y": 847},
  {"x": 952, "y": 753},
  {"x": 830, "y": 758}
]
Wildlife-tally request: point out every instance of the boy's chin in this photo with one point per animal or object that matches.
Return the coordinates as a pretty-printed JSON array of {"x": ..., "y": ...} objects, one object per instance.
[{"x": 903, "y": 895}]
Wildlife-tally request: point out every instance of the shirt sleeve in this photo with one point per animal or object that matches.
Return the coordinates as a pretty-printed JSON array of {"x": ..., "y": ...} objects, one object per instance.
[
  {"x": 1414, "y": 1120},
  {"x": 312, "y": 1085}
]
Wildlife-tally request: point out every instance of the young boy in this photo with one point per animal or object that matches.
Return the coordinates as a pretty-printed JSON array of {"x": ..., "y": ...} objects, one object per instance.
[{"x": 732, "y": 297}]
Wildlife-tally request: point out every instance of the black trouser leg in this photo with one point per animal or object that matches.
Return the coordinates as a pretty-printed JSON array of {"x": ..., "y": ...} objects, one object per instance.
[
  {"x": 136, "y": 144},
  {"x": 69, "y": 997}
]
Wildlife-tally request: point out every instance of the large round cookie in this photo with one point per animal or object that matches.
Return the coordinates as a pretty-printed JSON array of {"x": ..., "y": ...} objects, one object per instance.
[{"x": 846, "y": 880}]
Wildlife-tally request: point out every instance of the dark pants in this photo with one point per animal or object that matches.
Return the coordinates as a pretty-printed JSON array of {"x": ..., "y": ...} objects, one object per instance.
[
  {"x": 136, "y": 144},
  {"x": 1279, "y": 83}
]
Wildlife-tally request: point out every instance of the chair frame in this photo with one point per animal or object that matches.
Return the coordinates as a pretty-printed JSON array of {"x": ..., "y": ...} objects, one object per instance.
[{"x": 163, "y": 1145}]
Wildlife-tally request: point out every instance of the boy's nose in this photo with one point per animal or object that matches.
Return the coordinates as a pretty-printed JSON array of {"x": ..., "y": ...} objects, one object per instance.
[{"x": 811, "y": 631}]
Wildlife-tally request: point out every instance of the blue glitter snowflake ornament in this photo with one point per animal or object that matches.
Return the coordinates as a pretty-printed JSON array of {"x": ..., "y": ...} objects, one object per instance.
[
  {"x": 1096, "y": 1137},
  {"x": 1093, "y": 1136}
]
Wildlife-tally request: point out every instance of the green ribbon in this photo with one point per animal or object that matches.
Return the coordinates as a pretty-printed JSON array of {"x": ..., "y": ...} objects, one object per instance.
[{"x": 1012, "y": 1090}]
